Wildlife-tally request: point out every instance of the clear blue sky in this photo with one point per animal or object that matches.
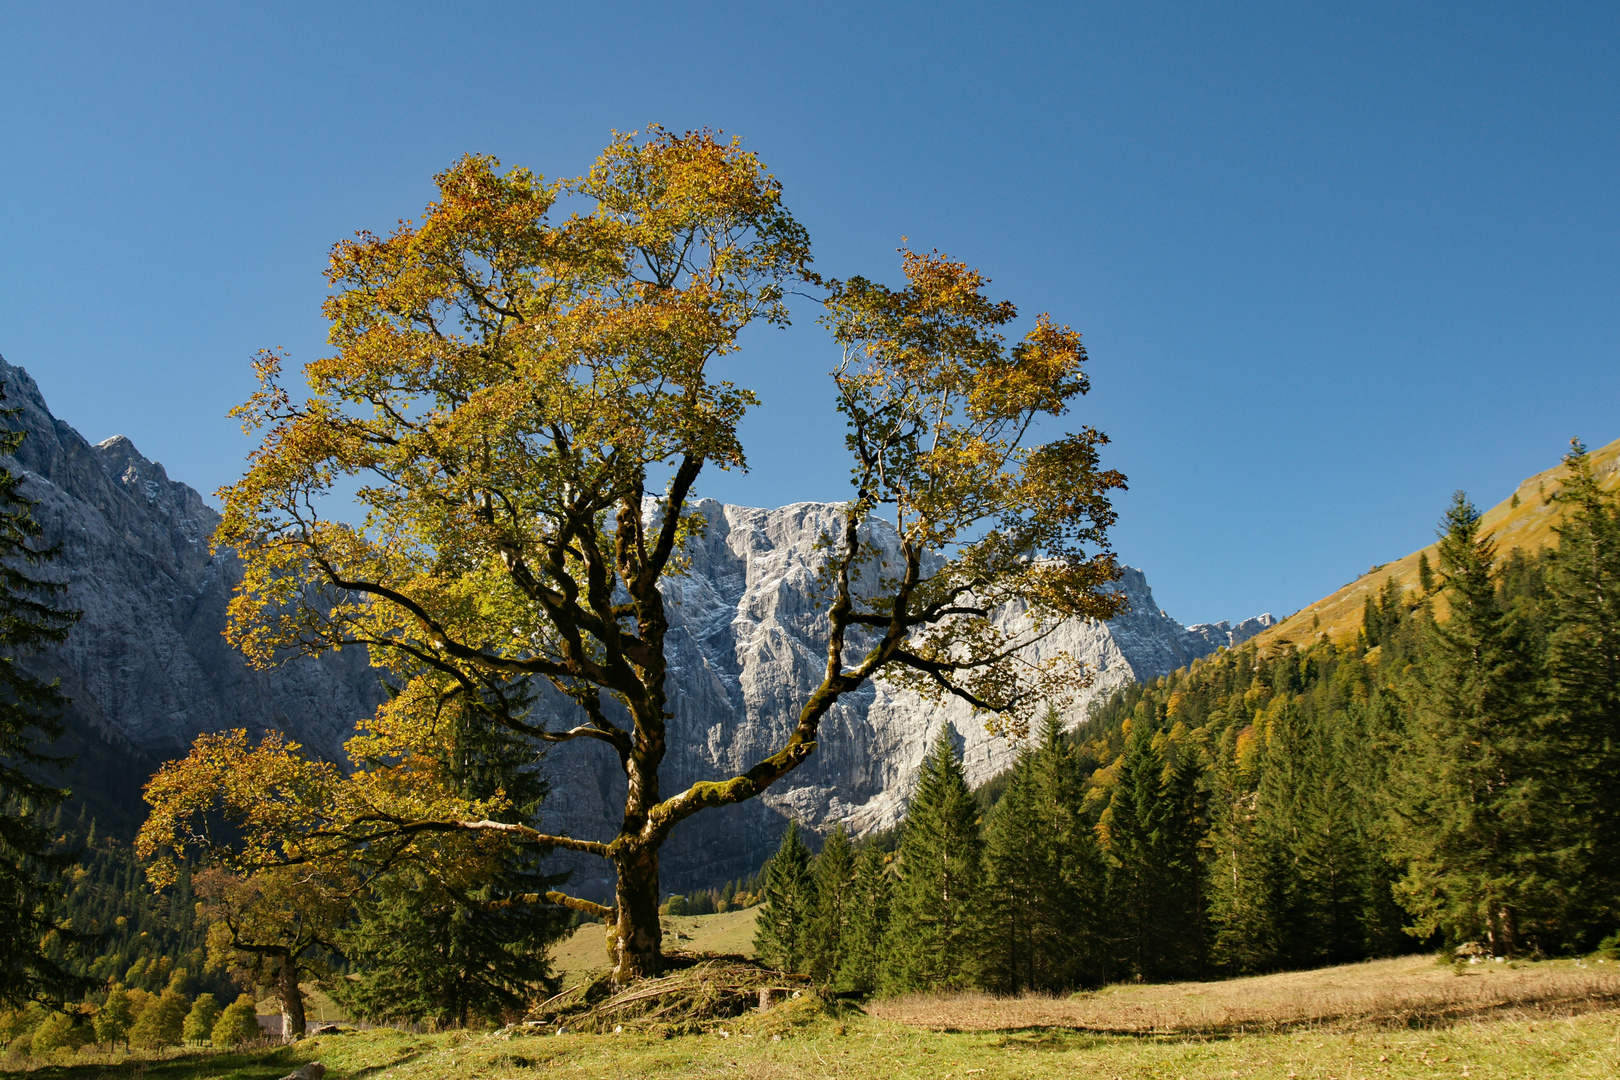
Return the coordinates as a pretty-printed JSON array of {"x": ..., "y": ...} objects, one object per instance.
[{"x": 1330, "y": 261}]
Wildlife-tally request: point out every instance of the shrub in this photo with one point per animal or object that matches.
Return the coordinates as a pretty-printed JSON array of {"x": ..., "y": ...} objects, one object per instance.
[{"x": 58, "y": 1031}]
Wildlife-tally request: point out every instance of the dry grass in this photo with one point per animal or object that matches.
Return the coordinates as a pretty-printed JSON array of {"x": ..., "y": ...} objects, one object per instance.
[
  {"x": 1408, "y": 992},
  {"x": 1528, "y": 525},
  {"x": 728, "y": 933}
]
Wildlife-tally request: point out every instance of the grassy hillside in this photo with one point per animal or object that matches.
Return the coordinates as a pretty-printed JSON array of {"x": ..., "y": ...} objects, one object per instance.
[{"x": 1523, "y": 520}]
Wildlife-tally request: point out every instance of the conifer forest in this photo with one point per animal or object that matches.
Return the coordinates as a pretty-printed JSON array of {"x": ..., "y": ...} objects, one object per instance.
[{"x": 1445, "y": 779}]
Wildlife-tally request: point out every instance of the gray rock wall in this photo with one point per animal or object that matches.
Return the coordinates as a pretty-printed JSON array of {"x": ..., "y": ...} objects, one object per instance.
[{"x": 148, "y": 669}]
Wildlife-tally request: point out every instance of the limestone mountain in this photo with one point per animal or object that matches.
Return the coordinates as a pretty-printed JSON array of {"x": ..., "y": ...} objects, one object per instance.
[{"x": 147, "y": 668}]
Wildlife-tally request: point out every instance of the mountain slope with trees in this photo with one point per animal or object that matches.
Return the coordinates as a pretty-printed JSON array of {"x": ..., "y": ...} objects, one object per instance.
[{"x": 1524, "y": 520}]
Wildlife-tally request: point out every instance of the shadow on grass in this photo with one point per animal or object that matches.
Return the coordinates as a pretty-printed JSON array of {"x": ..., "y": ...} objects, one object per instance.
[
  {"x": 269, "y": 1063},
  {"x": 1073, "y": 1036}
]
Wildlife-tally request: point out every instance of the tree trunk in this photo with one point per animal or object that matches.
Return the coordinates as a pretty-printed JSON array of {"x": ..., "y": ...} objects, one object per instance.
[
  {"x": 292, "y": 999},
  {"x": 637, "y": 938}
]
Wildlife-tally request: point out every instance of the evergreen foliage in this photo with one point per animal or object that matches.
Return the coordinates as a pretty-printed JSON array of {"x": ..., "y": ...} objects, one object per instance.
[
  {"x": 431, "y": 945},
  {"x": 1150, "y": 832},
  {"x": 867, "y": 922},
  {"x": 833, "y": 874},
  {"x": 783, "y": 934},
  {"x": 1471, "y": 798},
  {"x": 34, "y": 943},
  {"x": 932, "y": 931},
  {"x": 1583, "y": 665}
]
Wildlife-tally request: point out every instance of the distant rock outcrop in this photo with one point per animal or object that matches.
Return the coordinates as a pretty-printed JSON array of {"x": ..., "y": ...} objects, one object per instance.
[
  {"x": 747, "y": 645},
  {"x": 148, "y": 669}
]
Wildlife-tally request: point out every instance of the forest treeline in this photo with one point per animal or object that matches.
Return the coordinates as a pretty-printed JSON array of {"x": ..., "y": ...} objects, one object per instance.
[{"x": 1449, "y": 778}]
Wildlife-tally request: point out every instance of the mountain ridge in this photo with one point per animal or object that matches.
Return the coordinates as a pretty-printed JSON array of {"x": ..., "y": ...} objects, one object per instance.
[
  {"x": 148, "y": 669},
  {"x": 1524, "y": 520}
]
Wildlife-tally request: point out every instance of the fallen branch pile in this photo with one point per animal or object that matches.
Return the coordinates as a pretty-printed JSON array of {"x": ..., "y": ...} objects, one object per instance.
[{"x": 690, "y": 999}]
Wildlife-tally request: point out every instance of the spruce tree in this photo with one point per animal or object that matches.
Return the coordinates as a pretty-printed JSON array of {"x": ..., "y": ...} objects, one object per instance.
[
  {"x": 931, "y": 934},
  {"x": 834, "y": 874},
  {"x": 865, "y": 933},
  {"x": 1583, "y": 581},
  {"x": 782, "y": 934},
  {"x": 1137, "y": 827},
  {"x": 1243, "y": 908},
  {"x": 30, "y": 866},
  {"x": 1070, "y": 949},
  {"x": 432, "y": 943},
  {"x": 1470, "y": 790},
  {"x": 1182, "y": 908},
  {"x": 1020, "y": 880}
]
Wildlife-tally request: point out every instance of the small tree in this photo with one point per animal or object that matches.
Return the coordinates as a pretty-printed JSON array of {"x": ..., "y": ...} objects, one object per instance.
[
  {"x": 113, "y": 1019},
  {"x": 199, "y": 1025},
  {"x": 782, "y": 934},
  {"x": 504, "y": 389},
  {"x": 868, "y": 925},
  {"x": 833, "y": 874},
  {"x": 275, "y": 926},
  {"x": 60, "y": 1031},
  {"x": 162, "y": 1023},
  {"x": 239, "y": 1023}
]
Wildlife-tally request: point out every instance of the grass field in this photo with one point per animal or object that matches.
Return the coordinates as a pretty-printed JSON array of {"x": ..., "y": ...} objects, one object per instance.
[
  {"x": 730, "y": 932},
  {"x": 1403, "y": 1018}
]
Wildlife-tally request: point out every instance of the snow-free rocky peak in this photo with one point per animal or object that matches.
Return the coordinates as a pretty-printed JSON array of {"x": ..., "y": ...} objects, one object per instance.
[{"x": 148, "y": 669}]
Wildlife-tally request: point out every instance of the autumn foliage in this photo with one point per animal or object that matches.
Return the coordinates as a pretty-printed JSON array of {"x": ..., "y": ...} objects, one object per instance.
[{"x": 520, "y": 394}]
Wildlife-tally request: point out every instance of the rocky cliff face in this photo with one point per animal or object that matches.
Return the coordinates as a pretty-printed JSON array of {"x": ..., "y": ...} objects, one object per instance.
[
  {"x": 746, "y": 647},
  {"x": 147, "y": 668}
]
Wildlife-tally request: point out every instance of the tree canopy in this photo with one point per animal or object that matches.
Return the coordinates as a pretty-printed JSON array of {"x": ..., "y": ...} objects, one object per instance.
[{"x": 522, "y": 402}]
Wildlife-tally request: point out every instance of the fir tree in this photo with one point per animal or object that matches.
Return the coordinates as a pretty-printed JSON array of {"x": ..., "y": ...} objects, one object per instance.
[
  {"x": 1069, "y": 948},
  {"x": 1583, "y": 582},
  {"x": 931, "y": 933},
  {"x": 1020, "y": 880},
  {"x": 1136, "y": 829},
  {"x": 834, "y": 873},
  {"x": 1243, "y": 905},
  {"x": 431, "y": 944},
  {"x": 868, "y": 923},
  {"x": 1468, "y": 796},
  {"x": 1185, "y": 946},
  {"x": 30, "y": 866},
  {"x": 782, "y": 934}
]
